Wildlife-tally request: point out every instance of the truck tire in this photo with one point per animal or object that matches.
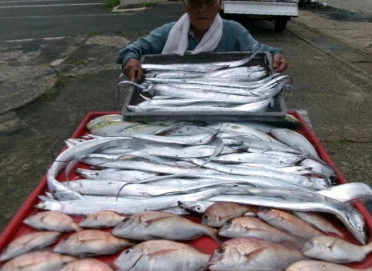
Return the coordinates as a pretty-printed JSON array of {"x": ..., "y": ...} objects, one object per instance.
[{"x": 280, "y": 24}]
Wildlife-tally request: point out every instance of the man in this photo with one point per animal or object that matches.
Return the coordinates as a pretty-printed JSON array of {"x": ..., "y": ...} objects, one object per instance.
[{"x": 200, "y": 29}]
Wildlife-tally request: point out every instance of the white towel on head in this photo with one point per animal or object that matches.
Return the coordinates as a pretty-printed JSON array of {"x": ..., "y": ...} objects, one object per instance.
[{"x": 178, "y": 41}]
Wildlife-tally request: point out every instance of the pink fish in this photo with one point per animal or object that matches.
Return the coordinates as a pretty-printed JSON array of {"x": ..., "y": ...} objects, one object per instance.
[
  {"x": 52, "y": 221},
  {"x": 288, "y": 222},
  {"x": 161, "y": 255},
  {"x": 219, "y": 212},
  {"x": 332, "y": 249},
  {"x": 91, "y": 243},
  {"x": 29, "y": 242},
  {"x": 312, "y": 265},
  {"x": 101, "y": 219},
  {"x": 89, "y": 264},
  {"x": 37, "y": 261},
  {"x": 161, "y": 225},
  {"x": 252, "y": 254},
  {"x": 248, "y": 226}
]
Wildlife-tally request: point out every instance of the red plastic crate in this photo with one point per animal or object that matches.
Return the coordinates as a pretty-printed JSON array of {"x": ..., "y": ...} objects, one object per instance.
[{"x": 205, "y": 244}]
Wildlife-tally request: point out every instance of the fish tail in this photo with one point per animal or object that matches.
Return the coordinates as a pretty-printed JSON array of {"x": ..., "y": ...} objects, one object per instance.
[{"x": 213, "y": 233}]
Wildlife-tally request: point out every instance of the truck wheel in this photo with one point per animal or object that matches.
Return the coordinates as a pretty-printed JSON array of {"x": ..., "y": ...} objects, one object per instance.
[{"x": 280, "y": 24}]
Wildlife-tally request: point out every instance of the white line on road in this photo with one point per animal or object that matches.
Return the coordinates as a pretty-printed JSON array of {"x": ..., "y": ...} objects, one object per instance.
[
  {"x": 35, "y": 1},
  {"x": 52, "y": 5},
  {"x": 27, "y": 40}
]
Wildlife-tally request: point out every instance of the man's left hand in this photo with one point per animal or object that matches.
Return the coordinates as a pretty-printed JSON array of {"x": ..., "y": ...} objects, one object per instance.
[{"x": 280, "y": 63}]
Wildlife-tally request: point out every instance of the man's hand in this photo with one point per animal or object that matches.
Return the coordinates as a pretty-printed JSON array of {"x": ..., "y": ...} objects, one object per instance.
[
  {"x": 133, "y": 70},
  {"x": 280, "y": 63}
]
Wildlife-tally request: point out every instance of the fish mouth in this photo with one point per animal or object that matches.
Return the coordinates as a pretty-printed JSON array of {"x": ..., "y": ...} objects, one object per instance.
[{"x": 134, "y": 263}]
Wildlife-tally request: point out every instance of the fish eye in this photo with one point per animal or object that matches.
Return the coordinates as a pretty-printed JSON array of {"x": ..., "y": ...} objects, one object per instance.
[
  {"x": 220, "y": 250},
  {"x": 198, "y": 208},
  {"x": 125, "y": 219}
]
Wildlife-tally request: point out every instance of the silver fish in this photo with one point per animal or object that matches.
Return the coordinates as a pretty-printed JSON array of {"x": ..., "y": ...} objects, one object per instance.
[
  {"x": 261, "y": 86},
  {"x": 91, "y": 243},
  {"x": 249, "y": 253},
  {"x": 295, "y": 140},
  {"x": 319, "y": 166},
  {"x": 332, "y": 249},
  {"x": 161, "y": 225},
  {"x": 125, "y": 206},
  {"x": 302, "y": 181},
  {"x": 349, "y": 191},
  {"x": 191, "y": 67},
  {"x": 255, "y": 106},
  {"x": 53, "y": 221},
  {"x": 198, "y": 139},
  {"x": 133, "y": 176},
  {"x": 64, "y": 158},
  {"x": 261, "y": 158},
  {"x": 37, "y": 261},
  {"x": 155, "y": 255},
  {"x": 173, "y": 74},
  {"x": 110, "y": 127},
  {"x": 29, "y": 242},
  {"x": 103, "y": 119},
  {"x": 198, "y": 207}
]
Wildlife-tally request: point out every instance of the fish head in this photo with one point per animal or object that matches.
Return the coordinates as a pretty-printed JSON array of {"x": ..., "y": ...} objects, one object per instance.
[
  {"x": 358, "y": 225},
  {"x": 232, "y": 225},
  {"x": 221, "y": 260},
  {"x": 128, "y": 259},
  {"x": 197, "y": 208},
  {"x": 315, "y": 247},
  {"x": 321, "y": 183},
  {"x": 227, "y": 258},
  {"x": 125, "y": 227}
]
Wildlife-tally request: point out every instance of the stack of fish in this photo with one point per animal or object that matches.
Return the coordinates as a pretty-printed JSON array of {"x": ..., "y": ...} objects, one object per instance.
[
  {"x": 135, "y": 182},
  {"x": 183, "y": 162},
  {"x": 205, "y": 87}
]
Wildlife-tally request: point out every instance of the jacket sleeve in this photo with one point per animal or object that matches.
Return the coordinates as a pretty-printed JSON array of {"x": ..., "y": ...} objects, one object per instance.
[{"x": 150, "y": 44}]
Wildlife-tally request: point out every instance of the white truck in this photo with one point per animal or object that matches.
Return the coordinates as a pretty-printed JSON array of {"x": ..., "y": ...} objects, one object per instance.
[{"x": 279, "y": 11}]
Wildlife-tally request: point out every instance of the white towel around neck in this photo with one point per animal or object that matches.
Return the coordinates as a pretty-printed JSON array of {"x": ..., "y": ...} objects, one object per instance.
[{"x": 178, "y": 41}]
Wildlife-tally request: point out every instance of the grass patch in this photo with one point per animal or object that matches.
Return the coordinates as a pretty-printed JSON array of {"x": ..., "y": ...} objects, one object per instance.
[
  {"x": 150, "y": 4},
  {"x": 110, "y": 4},
  {"x": 81, "y": 63}
]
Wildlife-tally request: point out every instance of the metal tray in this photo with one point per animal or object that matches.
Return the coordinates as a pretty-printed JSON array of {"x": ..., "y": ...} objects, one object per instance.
[{"x": 276, "y": 112}]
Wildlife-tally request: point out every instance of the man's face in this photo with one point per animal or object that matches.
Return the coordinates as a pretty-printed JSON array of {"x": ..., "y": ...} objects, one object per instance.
[{"x": 202, "y": 13}]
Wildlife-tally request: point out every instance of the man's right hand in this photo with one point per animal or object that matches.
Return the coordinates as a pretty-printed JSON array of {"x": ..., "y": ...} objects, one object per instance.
[{"x": 133, "y": 70}]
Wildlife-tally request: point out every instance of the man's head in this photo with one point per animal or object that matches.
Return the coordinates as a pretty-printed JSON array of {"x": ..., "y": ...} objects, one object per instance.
[{"x": 202, "y": 13}]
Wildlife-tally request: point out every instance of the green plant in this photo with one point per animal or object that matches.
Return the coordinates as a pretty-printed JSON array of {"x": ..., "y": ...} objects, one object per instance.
[
  {"x": 110, "y": 4},
  {"x": 150, "y": 4}
]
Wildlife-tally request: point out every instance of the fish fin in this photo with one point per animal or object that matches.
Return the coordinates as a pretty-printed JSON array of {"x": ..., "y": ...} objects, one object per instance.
[
  {"x": 160, "y": 252},
  {"x": 217, "y": 151},
  {"x": 171, "y": 129},
  {"x": 250, "y": 256}
]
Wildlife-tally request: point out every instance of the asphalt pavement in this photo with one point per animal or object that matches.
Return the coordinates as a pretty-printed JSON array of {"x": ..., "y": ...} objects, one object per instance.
[{"x": 47, "y": 86}]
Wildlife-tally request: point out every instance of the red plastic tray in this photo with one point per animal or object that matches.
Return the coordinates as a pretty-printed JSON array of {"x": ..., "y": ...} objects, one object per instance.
[{"x": 205, "y": 244}]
